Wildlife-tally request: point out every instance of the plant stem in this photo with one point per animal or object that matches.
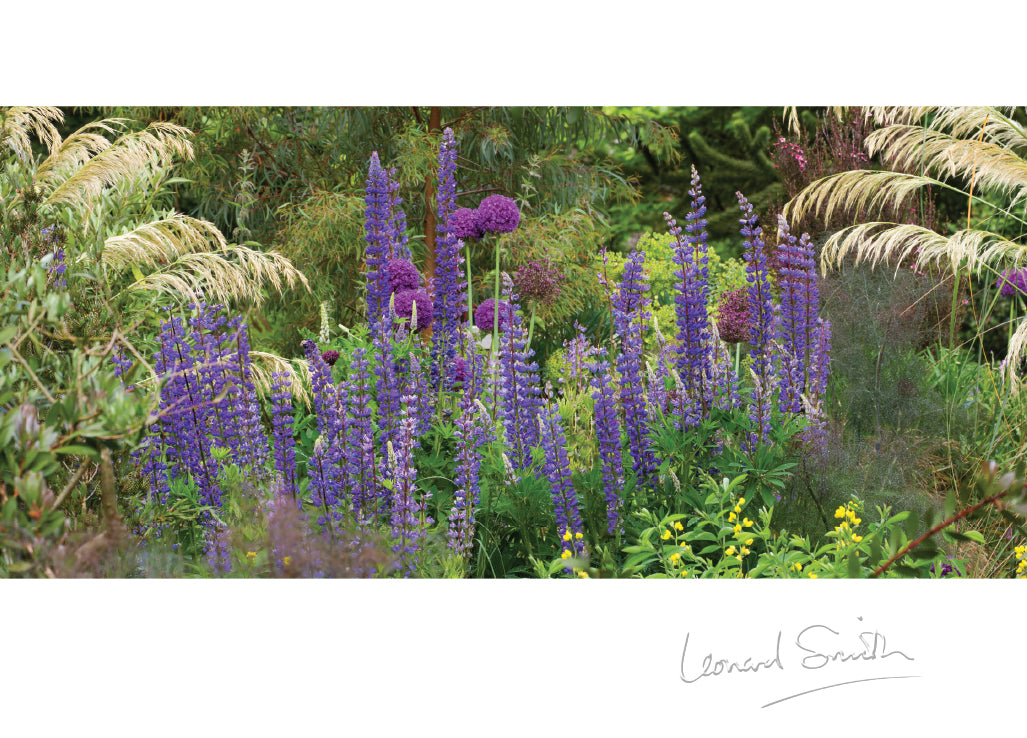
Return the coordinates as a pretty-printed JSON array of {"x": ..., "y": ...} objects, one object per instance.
[{"x": 531, "y": 323}]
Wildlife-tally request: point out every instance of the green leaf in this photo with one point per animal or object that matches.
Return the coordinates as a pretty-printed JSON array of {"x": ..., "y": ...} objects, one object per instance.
[{"x": 89, "y": 451}]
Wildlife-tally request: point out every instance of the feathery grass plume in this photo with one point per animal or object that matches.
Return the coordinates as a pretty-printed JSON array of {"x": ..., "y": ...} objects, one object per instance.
[
  {"x": 156, "y": 146},
  {"x": 977, "y": 151},
  {"x": 161, "y": 241},
  {"x": 233, "y": 274},
  {"x": 16, "y": 123},
  {"x": 76, "y": 150}
]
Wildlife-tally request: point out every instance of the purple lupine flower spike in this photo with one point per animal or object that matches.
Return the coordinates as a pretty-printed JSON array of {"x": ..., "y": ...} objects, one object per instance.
[
  {"x": 557, "y": 470},
  {"x": 631, "y": 318},
  {"x": 282, "y": 432},
  {"x": 378, "y": 237},
  {"x": 450, "y": 287},
  {"x": 519, "y": 390},
  {"x": 608, "y": 436},
  {"x": 762, "y": 327},
  {"x": 473, "y": 430}
]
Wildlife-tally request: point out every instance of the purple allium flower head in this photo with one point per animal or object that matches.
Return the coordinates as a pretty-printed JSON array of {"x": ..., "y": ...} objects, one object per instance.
[
  {"x": 485, "y": 315},
  {"x": 498, "y": 214},
  {"x": 402, "y": 275},
  {"x": 464, "y": 223},
  {"x": 404, "y": 303},
  {"x": 733, "y": 316},
  {"x": 330, "y": 357},
  {"x": 539, "y": 280},
  {"x": 1013, "y": 281}
]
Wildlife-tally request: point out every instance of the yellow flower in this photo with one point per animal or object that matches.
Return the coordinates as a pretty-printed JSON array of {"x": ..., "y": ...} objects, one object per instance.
[
  {"x": 738, "y": 528},
  {"x": 748, "y": 541},
  {"x": 738, "y": 509},
  {"x": 857, "y": 539},
  {"x": 797, "y": 566},
  {"x": 565, "y": 555},
  {"x": 666, "y": 535},
  {"x": 678, "y": 526},
  {"x": 840, "y": 512},
  {"x": 567, "y": 536},
  {"x": 287, "y": 560},
  {"x": 741, "y": 501},
  {"x": 730, "y": 550},
  {"x": 675, "y": 558},
  {"x": 812, "y": 576},
  {"x": 579, "y": 536},
  {"x": 686, "y": 546},
  {"x": 745, "y": 551},
  {"x": 251, "y": 554},
  {"x": 583, "y": 574},
  {"x": 731, "y": 517},
  {"x": 747, "y": 523}
]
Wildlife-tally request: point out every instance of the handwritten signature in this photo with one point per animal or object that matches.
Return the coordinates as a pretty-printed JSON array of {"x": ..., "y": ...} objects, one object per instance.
[{"x": 822, "y": 644}]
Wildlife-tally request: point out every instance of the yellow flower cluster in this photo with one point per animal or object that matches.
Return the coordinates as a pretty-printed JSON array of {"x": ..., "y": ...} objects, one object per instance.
[
  {"x": 568, "y": 536},
  {"x": 1021, "y": 557},
  {"x": 847, "y": 514}
]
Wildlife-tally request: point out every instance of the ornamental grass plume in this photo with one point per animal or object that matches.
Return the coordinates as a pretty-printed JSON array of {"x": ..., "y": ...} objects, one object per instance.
[{"x": 498, "y": 214}]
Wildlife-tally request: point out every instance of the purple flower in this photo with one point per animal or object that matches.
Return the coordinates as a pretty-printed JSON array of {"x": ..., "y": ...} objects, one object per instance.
[
  {"x": 282, "y": 432},
  {"x": 539, "y": 280},
  {"x": 409, "y": 514},
  {"x": 459, "y": 370},
  {"x": 449, "y": 288},
  {"x": 733, "y": 316},
  {"x": 800, "y": 303},
  {"x": 608, "y": 437},
  {"x": 498, "y": 214},
  {"x": 557, "y": 470},
  {"x": 485, "y": 315},
  {"x": 1012, "y": 281},
  {"x": 377, "y": 228},
  {"x": 404, "y": 304},
  {"x": 330, "y": 357},
  {"x": 473, "y": 430},
  {"x": 631, "y": 319},
  {"x": 402, "y": 276},
  {"x": 762, "y": 329},
  {"x": 464, "y": 223},
  {"x": 520, "y": 392}
]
